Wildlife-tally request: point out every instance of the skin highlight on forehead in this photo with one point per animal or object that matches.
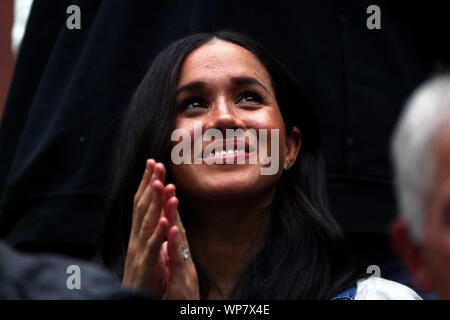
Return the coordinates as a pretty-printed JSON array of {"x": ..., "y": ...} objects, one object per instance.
[{"x": 214, "y": 59}]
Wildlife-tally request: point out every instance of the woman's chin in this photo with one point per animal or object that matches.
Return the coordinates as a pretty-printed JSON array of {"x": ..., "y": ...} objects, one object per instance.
[
  {"x": 224, "y": 183},
  {"x": 233, "y": 188},
  {"x": 228, "y": 189}
]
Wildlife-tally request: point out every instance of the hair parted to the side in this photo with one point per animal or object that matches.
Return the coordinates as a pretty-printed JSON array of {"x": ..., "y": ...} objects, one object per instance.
[
  {"x": 412, "y": 149},
  {"x": 305, "y": 255}
]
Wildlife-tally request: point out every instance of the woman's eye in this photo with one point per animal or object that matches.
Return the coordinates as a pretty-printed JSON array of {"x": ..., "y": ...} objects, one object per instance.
[
  {"x": 193, "y": 103},
  {"x": 250, "y": 97}
]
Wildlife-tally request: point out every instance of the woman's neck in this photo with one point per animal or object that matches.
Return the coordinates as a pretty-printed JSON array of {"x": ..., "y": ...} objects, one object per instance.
[{"x": 224, "y": 240}]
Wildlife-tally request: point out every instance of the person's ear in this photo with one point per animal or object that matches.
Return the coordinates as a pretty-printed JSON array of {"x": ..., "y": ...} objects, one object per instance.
[
  {"x": 293, "y": 145},
  {"x": 411, "y": 254}
]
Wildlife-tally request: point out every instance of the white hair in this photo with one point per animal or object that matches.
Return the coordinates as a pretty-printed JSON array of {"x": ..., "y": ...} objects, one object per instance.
[{"x": 413, "y": 150}]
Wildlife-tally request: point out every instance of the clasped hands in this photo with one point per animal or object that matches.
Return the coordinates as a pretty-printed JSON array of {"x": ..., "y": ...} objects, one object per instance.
[{"x": 157, "y": 258}]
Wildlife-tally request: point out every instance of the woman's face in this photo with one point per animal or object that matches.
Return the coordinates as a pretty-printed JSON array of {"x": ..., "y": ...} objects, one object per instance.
[{"x": 223, "y": 86}]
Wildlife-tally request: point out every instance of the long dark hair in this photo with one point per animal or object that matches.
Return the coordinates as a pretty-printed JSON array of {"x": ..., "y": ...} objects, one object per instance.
[{"x": 305, "y": 254}]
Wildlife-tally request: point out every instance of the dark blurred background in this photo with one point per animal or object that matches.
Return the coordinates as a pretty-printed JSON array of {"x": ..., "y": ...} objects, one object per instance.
[{"x": 71, "y": 88}]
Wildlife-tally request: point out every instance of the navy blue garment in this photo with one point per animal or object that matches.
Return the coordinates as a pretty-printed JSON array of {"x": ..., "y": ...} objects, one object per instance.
[{"x": 44, "y": 277}]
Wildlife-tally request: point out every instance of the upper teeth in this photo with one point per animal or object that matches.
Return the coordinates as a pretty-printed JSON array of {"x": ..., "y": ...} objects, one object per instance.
[{"x": 221, "y": 153}]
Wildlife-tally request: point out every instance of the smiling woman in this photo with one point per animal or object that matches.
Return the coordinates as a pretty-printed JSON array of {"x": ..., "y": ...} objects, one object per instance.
[{"x": 230, "y": 231}]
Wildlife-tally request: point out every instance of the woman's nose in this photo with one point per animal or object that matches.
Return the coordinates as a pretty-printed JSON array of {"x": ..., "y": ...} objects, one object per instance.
[{"x": 224, "y": 116}]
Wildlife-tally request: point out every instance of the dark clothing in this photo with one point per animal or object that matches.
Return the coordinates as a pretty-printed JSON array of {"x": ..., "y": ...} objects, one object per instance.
[
  {"x": 43, "y": 277},
  {"x": 71, "y": 88}
]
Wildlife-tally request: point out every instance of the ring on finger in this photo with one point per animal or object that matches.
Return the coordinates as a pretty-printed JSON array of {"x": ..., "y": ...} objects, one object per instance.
[{"x": 185, "y": 254}]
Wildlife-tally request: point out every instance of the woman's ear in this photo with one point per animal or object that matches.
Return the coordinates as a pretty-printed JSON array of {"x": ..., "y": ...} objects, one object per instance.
[{"x": 293, "y": 145}]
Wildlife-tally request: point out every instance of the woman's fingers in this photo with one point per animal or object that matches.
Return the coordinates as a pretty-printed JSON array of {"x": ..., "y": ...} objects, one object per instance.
[
  {"x": 177, "y": 249},
  {"x": 145, "y": 200},
  {"x": 165, "y": 257},
  {"x": 182, "y": 276},
  {"x": 171, "y": 212},
  {"x": 155, "y": 242},
  {"x": 145, "y": 269},
  {"x": 169, "y": 192},
  {"x": 170, "y": 209},
  {"x": 159, "y": 173},
  {"x": 148, "y": 172},
  {"x": 183, "y": 280},
  {"x": 146, "y": 266},
  {"x": 175, "y": 238},
  {"x": 150, "y": 258},
  {"x": 138, "y": 205},
  {"x": 153, "y": 213}
]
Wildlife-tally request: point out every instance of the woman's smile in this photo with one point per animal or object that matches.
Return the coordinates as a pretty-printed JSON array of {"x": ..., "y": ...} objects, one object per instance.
[{"x": 227, "y": 151}]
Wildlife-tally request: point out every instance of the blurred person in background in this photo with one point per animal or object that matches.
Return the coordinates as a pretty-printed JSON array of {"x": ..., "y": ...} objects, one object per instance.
[
  {"x": 52, "y": 277},
  {"x": 421, "y": 156}
]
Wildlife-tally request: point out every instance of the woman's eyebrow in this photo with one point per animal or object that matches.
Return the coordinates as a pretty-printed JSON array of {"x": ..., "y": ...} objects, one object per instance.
[
  {"x": 246, "y": 80},
  {"x": 198, "y": 85},
  {"x": 193, "y": 86}
]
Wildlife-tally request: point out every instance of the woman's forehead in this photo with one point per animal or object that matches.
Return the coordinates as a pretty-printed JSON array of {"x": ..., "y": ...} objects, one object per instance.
[{"x": 220, "y": 59}]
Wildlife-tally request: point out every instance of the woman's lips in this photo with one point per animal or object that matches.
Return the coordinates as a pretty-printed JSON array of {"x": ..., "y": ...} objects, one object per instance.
[
  {"x": 225, "y": 157},
  {"x": 227, "y": 150}
]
